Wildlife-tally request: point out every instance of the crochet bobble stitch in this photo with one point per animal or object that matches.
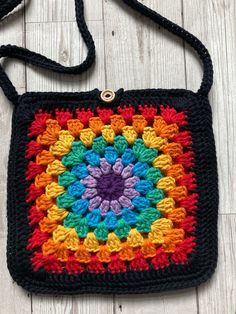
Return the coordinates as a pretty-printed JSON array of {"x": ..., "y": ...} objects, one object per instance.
[{"x": 110, "y": 191}]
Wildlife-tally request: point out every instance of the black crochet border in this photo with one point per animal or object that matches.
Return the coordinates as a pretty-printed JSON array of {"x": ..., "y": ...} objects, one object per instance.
[{"x": 202, "y": 261}]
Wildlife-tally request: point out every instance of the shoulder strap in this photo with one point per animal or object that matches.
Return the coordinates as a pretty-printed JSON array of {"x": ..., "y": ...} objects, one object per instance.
[
  {"x": 36, "y": 59},
  {"x": 39, "y": 60}
]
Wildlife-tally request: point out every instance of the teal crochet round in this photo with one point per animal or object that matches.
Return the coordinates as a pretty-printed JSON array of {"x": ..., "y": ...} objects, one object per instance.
[{"x": 110, "y": 188}]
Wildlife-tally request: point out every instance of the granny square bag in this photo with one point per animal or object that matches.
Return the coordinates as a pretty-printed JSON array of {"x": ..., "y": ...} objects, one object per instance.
[{"x": 111, "y": 192}]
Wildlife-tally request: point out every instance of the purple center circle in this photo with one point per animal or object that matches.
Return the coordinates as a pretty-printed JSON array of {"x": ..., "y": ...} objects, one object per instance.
[{"x": 110, "y": 186}]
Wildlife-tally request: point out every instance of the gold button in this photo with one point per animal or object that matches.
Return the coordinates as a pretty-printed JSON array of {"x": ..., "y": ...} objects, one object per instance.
[{"x": 108, "y": 95}]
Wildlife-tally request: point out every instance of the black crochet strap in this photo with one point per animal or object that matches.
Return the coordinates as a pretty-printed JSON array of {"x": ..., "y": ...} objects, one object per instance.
[{"x": 39, "y": 60}]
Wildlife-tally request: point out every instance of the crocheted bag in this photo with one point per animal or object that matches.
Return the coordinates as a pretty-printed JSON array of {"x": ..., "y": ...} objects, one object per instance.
[{"x": 111, "y": 192}]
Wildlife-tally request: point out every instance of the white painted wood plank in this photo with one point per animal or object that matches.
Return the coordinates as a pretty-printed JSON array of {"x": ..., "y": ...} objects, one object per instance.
[
  {"x": 215, "y": 25},
  {"x": 61, "y": 10},
  {"x": 219, "y": 294},
  {"x": 86, "y": 304},
  {"x": 63, "y": 43},
  {"x": 12, "y": 298},
  {"x": 92, "y": 304},
  {"x": 214, "y": 22},
  {"x": 142, "y": 65},
  {"x": 12, "y": 32},
  {"x": 138, "y": 54},
  {"x": 178, "y": 302},
  {"x": 52, "y": 305}
]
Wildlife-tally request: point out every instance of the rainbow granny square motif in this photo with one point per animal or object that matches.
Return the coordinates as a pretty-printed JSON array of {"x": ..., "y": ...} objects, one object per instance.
[
  {"x": 110, "y": 191},
  {"x": 111, "y": 194}
]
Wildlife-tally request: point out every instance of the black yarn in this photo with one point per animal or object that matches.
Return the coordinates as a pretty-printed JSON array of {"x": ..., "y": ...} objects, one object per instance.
[
  {"x": 7, "y": 6},
  {"x": 202, "y": 261}
]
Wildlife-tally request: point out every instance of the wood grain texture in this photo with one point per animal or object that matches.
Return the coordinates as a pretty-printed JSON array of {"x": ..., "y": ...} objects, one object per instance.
[
  {"x": 131, "y": 53},
  {"x": 180, "y": 302},
  {"x": 63, "y": 43},
  {"x": 215, "y": 25},
  {"x": 147, "y": 54},
  {"x": 138, "y": 54},
  {"x": 86, "y": 304},
  {"x": 13, "y": 299},
  {"x": 61, "y": 10},
  {"x": 214, "y": 22},
  {"x": 219, "y": 294}
]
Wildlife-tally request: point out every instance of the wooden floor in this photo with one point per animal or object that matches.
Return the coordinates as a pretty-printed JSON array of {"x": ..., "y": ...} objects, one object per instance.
[{"x": 131, "y": 53}]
